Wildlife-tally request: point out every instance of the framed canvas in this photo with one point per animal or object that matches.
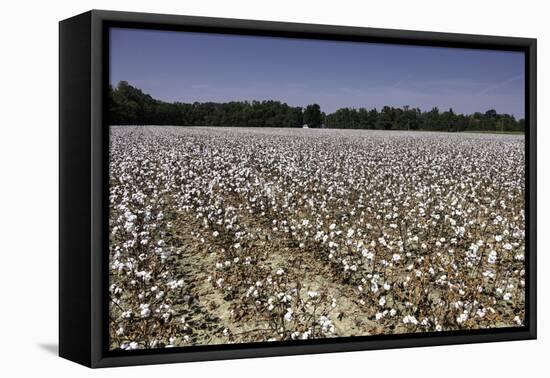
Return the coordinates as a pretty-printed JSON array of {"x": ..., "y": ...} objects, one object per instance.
[{"x": 235, "y": 188}]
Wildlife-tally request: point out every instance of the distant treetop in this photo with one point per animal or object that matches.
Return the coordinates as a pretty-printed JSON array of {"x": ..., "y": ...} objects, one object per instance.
[{"x": 130, "y": 106}]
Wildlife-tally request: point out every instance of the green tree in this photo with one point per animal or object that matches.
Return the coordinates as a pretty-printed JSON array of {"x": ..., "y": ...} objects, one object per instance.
[
  {"x": 312, "y": 116},
  {"x": 130, "y": 106},
  {"x": 386, "y": 118}
]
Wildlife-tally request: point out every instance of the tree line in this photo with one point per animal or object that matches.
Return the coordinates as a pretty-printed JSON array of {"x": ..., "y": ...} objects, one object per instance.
[{"x": 130, "y": 106}]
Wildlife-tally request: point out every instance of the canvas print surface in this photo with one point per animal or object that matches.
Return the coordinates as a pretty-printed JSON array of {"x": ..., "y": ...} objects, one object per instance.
[{"x": 268, "y": 189}]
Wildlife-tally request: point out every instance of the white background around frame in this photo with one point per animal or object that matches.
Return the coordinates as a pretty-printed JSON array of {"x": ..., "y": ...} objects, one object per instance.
[{"x": 29, "y": 187}]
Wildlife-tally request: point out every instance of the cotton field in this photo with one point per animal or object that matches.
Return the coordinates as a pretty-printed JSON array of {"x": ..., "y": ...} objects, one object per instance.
[{"x": 238, "y": 235}]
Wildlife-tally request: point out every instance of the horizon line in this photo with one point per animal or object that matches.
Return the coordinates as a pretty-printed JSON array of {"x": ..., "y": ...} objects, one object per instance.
[{"x": 314, "y": 103}]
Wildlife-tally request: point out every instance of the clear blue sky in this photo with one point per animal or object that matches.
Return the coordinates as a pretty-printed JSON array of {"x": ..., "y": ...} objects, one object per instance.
[{"x": 189, "y": 67}]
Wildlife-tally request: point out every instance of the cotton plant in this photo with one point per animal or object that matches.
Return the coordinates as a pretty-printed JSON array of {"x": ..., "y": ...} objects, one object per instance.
[{"x": 425, "y": 227}]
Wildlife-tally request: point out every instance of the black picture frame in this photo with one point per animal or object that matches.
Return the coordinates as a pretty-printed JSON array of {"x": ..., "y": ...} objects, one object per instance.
[{"x": 83, "y": 193}]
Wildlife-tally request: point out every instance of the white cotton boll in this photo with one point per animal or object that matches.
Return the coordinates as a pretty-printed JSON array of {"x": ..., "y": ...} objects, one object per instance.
[
  {"x": 409, "y": 319},
  {"x": 145, "y": 312},
  {"x": 382, "y": 301},
  {"x": 332, "y": 226},
  {"x": 367, "y": 254},
  {"x": 280, "y": 271},
  {"x": 488, "y": 274},
  {"x": 462, "y": 318},
  {"x": 288, "y": 316},
  {"x": 312, "y": 294},
  {"x": 326, "y": 324},
  {"x": 492, "y": 257},
  {"x": 374, "y": 287}
]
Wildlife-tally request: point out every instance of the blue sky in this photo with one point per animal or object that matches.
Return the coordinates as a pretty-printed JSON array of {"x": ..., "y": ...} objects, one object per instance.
[{"x": 189, "y": 67}]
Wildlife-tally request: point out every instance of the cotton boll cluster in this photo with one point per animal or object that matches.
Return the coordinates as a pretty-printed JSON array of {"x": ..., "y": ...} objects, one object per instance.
[{"x": 425, "y": 231}]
